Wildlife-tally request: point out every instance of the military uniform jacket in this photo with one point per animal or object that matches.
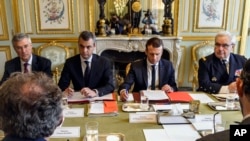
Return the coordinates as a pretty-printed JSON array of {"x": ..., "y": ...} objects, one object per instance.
[{"x": 212, "y": 74}]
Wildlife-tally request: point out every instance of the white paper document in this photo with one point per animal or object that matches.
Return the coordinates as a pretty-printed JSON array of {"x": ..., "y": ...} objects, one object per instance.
[
  {"x": 202, "y": 97},
  {"x": 205, "y": 122},
  {"x": 142, "y": 117},
  {"x": 155, "y": 135},
  {"x": 181, "y": 132},
  {"x": 66, "y": 132},
  {"x": 77, "y": 96},
  {"x": 73, "y": 112},
  {"x": 96, "y": 108},
  {"x": 169, "y": 107},
  {"x": 155, "y": 94}
]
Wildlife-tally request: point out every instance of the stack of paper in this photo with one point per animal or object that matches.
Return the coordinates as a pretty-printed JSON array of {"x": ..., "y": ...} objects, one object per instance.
[
  {"x": 77, "y": 97},
  {"x": 103, "y": 108},
  {"x": 155, "y": 94},
  {"x": 222, "y": 97}
]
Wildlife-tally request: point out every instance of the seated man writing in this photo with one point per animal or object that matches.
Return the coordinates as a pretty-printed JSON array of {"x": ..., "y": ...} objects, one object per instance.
[{"x": 150, "y": 73}]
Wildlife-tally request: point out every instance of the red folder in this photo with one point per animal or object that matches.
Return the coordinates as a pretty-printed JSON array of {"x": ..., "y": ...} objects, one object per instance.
[{"x": 179, "y": 96}]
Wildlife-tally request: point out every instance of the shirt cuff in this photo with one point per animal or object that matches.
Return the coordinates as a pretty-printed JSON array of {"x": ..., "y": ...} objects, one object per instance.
[
  {"x": 224, "y": 90},
  {"x": 97, "y": 93}
]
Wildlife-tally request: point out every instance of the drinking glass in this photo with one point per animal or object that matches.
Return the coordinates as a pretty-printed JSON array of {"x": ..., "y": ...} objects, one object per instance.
[
  {"x": 92, "y": 131},
  {"x": 144, "y": 103}
]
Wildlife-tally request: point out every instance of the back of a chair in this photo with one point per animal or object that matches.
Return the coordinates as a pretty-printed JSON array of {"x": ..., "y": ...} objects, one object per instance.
[
  {"x": 57, "y": 53},
  {"x": 198, "y": 51}
]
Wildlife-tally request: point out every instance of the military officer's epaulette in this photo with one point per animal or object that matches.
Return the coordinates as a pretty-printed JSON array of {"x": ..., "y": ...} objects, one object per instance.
[{"x": 204, "y": 58}]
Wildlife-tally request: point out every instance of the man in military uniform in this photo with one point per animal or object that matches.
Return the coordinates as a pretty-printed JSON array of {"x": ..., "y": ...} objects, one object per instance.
[{"x": 217, "y": 72}]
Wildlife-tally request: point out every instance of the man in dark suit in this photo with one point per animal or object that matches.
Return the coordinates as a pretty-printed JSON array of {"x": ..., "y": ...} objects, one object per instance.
[
  {"x": 243, "y": 89},
  {"x": 26, "y": 61},
  {"x": 217, "y": 72},
  {"x": 90, "y": 74},
  {"x": 140, "y": 73}
]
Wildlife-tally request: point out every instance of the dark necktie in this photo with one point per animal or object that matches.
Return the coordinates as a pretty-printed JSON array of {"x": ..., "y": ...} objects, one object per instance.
[
  {"x": 25, "y": 65},
  {"x": 86, "y": 74},
  {"x": 153, "y": 78}
]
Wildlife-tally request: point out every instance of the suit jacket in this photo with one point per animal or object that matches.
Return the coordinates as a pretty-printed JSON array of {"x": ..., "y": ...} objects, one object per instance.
[
  {"x": 211, "y": 73},
  {"x": 138, "y": 75},
  {"x": 39, "y": 63},
  {"x": 101, "y": 75},
  {"x": 15, "y": 138},
  {"x": 224, "y": 135}
]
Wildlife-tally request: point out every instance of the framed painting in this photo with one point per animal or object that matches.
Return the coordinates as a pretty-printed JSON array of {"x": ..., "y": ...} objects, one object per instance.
[
  {"x": 210, "y": 15},
  {"x": 54, "y": 16},
  {"x": 3, "y": 25}
]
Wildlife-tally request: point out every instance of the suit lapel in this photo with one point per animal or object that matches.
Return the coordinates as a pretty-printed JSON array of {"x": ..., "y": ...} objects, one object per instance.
[
  {"x": 161, "y": 72},
  {"x": 145, "y": 73},
  {"x": 34, "y": 63}
]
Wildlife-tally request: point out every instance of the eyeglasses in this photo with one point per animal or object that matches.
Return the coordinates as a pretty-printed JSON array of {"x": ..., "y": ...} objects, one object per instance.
[{"x": 223, "y": 45}]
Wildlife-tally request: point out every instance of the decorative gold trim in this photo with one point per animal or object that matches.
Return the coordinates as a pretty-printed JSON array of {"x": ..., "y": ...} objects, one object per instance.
[
  {"x": 6, "y": 50},
  {"x": 176, "y": 12},
  {"x": 26, "y": 9},
  {"x": 4, "y": 35},
  {"x": 66, "y": 30},
  {"x": 209, "y": 29},
  {"x": 92, "y": 15},
  {"x": 202, "y": 38},
  {"x": 48, "y": 39},
  {"x": 53, "y": 43},
  {"x": 245, "y": 28},
  {"x": 16, "y": 19}
]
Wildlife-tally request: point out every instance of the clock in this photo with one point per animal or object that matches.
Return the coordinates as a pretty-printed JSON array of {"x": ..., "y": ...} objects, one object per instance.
[{"x": 136, "y": 6}]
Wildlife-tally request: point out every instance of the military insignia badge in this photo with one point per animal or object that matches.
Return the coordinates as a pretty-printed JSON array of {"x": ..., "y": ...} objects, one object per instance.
[
  {"x": 214, "y": 79},
  {"x": 237, "y": 72}
]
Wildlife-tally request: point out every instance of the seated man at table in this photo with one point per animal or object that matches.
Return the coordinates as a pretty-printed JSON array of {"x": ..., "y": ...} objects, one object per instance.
[
  {"x": 243, "y": 89},
  {"x": 150, "y": 73},
  {"x": 89, "y": 73},
  {"x": 217, "y": 72},
  {"x": 30, "y": 107},
  {"x": 26, "y": 61}
]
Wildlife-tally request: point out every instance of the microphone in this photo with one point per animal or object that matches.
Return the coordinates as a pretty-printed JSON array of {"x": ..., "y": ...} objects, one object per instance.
[{"x": 214, "y": 120}]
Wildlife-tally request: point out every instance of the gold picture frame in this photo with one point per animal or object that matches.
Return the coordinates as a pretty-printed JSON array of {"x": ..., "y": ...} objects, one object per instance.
[
  {"x": 5, "y": 55},
  {"x": 4, "y": 30},
  {"x": 210, "y": 16},
  {"x": 54, "y": 17}
]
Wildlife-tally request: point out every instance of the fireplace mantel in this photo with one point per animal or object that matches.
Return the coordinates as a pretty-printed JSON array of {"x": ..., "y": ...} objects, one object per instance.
[{"x": 128, "y": 44}]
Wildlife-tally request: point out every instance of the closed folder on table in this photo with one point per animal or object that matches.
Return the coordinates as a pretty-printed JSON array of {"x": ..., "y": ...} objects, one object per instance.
[
  {"x": 179, "y": 96},
  {"x": 103, "y": 108}
]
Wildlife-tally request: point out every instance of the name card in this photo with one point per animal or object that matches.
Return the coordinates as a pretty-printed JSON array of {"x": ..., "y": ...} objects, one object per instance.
[
  {"x": 143, "y": 117},
  {"x": 74, "y": 112},
  {"x": 208, "y": 117},
  {"x": 66, "y": 132}
]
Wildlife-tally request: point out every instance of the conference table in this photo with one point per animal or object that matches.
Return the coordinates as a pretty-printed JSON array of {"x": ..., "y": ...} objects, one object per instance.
[{"x": 131, "y": 131}]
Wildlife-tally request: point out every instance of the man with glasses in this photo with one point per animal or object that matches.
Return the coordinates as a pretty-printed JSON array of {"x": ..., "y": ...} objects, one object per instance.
[
  {"x": 89, "y": 73},
  {"x": 218, "y": 71},
  {"x": 26, "y": 61},
  {"x": 243, "y": 89}
]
